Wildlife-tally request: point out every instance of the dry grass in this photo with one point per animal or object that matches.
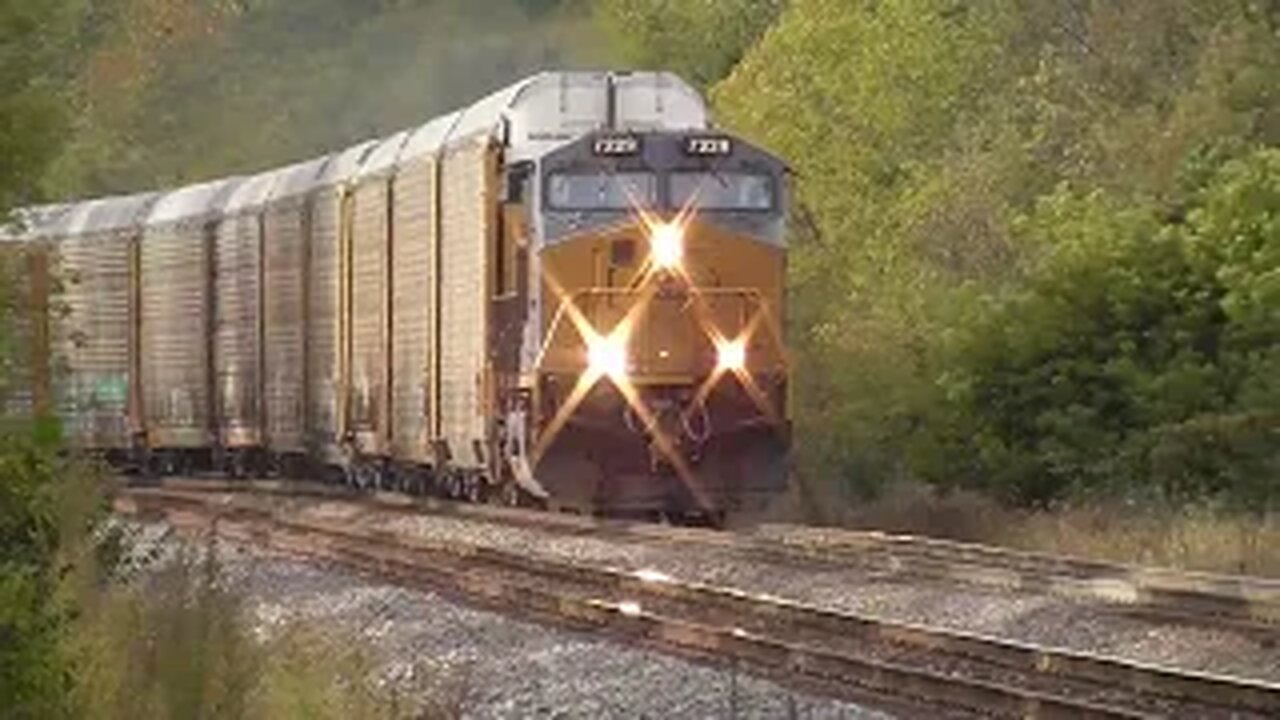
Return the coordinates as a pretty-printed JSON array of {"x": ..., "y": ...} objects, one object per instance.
[
  {"x": 1192, "y": 538},
  {"x": 181, "y": 645},
  {"x": 1197, "y": 537}
]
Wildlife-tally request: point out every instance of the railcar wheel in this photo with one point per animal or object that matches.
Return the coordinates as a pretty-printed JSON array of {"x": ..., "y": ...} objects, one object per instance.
[
  {"x": 238, "y": 465},
  {"x": 364, "y": 476},
  {"x": 507, "y": 495}
]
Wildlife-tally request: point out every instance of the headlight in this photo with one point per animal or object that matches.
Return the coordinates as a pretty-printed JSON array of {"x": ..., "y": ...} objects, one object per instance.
[
  {"x": 666, "y": 241},
  {"x": 731, "y": 355},
  {"x": 608, "y": 356}
]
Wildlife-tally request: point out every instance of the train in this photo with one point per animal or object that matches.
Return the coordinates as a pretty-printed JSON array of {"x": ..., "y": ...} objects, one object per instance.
[{"x": 570, "y": 293}]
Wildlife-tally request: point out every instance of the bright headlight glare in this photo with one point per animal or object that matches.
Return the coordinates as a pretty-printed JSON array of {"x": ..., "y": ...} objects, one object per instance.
[
  {"x": 732, "y": 355},
  {"x": 667, "y": 245},
  {"x": 608, "y": 356}
]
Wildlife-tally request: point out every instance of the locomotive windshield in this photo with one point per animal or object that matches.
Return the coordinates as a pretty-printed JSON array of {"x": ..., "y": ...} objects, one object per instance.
[
  {"x": 602, "y": 191},
  {"x": 722, "y": 190}
]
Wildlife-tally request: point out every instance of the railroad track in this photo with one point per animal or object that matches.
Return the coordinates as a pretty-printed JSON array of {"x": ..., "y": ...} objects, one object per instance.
[
  {"x": 923, "y": 671},
  {"x": 1243, "y": 604}
]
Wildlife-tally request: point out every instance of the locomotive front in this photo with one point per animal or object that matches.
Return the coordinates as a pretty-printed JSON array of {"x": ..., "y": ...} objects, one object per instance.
[{"x": 658, "y": 383}]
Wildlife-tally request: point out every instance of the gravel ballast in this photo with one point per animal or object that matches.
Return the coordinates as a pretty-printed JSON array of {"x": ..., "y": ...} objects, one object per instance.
[
  {"x": 506, "y": 668},
  {"x": 1053, "y": 621}
]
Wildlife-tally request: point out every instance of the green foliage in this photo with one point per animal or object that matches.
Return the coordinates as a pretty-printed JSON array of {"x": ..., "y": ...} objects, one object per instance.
[
  {"x": 862, "y": 99},
  {"x": 181, "y": 643},
  {"x": 48, "y": 507},
  {"x": 699, "y": 39},
  {"x": 1138, "y": 355},
  {"x": 37, "y": 55},
  {"x": 1028, "y": 254},
  {"x": 187, "y": 90}
]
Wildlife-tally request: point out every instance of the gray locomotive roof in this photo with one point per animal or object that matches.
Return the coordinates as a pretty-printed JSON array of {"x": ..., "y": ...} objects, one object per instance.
[
  {"x": 658, "y": 101},
  {"x": 300, "y": 179},
  {"x": 193, "y": 201},
  {"x": 549, "y": 109}
]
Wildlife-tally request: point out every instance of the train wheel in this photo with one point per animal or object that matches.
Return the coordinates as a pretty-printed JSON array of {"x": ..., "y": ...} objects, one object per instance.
[
  {"x": 152, "y": 467},
  {"x": 238, "y": 465},
  {"x": 507, "y": 495},
  {"x": 362, "y": 476}
]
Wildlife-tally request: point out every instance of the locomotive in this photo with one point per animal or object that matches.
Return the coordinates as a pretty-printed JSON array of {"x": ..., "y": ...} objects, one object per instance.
[{"x": 570, "y": 293}]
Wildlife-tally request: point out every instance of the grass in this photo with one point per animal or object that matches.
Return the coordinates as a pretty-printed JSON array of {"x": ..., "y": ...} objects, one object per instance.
[
  {"x": 179, "y": 643},
  {"x": 1190, "y": 536},
  {"x": 169, "y": 636}
]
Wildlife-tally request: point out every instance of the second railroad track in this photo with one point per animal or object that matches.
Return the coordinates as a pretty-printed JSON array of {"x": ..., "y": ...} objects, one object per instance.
[{"x": 923, "y": 670}]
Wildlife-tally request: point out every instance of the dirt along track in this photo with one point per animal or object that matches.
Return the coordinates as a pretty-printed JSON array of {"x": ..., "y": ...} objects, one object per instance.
[{"x": 847, "y": 654}]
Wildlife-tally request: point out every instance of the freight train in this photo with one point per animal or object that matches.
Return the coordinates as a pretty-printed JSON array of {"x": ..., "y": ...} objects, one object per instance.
[{"x": 569, "y": 293}]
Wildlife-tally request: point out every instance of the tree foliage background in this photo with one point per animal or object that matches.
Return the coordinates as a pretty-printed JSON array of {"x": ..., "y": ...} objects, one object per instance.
[
  {"x": 1036, "y": 245},
  {"x": 1017, "y": 261},
  {"x": 1031, "y": 238},
  {"x": 1036, "y": 241},
  {"x": 180, "y": 90}
]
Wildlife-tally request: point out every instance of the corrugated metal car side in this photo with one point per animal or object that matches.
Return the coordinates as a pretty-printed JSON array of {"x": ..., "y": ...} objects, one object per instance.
[
  {"x": 370, "y": 313},
  {"x": 413, "y": 306},
  {"x": 175, "y": 265},
  {"x": 466, "y": 219},
  {"x": 324, "y": 302},
  {"x": 94, "y": 339},
  {"x": 284, "y": 275},
  {"x": 236, "y": 330}
]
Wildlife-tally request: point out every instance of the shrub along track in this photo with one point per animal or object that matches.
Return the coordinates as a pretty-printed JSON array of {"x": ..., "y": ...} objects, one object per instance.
[{"x": 941, "y": 673}]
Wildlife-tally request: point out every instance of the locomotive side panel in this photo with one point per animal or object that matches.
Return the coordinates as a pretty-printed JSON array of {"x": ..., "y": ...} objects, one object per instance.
[
  {"x": 93, "y": 339},
  {"x": 285, "y": 361},
  {"x": 235, "y": 341},
  {"x": 175, "y": 305},
  {"x": 466, "y": 231},
  {"x": 324, "y": 288},
  {"x": 413, "y": 281},
  {"x": 369, "y": 314}
]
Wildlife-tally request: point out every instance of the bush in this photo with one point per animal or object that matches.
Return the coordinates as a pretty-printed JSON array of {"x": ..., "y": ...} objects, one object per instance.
[
  {"x": 47, "y": 508},
  {"x": 1140, "y": 354},
  {"x": 181, "y": 642}
]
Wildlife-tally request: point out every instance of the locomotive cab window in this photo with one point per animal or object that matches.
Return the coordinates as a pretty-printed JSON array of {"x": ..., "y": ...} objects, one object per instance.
[
  {"x": 601, "y": 191},
  {"x": 723, "y": 190}
]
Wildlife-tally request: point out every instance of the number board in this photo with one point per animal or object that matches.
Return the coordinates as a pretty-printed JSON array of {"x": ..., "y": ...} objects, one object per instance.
[
  {"x": 708, "y": 145},
  {"x": 616, "y": 145}
]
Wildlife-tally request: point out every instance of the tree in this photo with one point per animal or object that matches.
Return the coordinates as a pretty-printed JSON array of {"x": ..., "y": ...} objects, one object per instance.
[
  {"x": 181, "y": 91},
  {"x": 701, "y": 40},
  {"x": 1140, "y": 355},
  {"x": 930, "y": 138},
  {"x": 37, "y": 42}
]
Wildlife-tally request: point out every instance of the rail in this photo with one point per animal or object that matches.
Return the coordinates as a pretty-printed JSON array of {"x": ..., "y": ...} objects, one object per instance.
[{"x": 841, "y": 654}]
